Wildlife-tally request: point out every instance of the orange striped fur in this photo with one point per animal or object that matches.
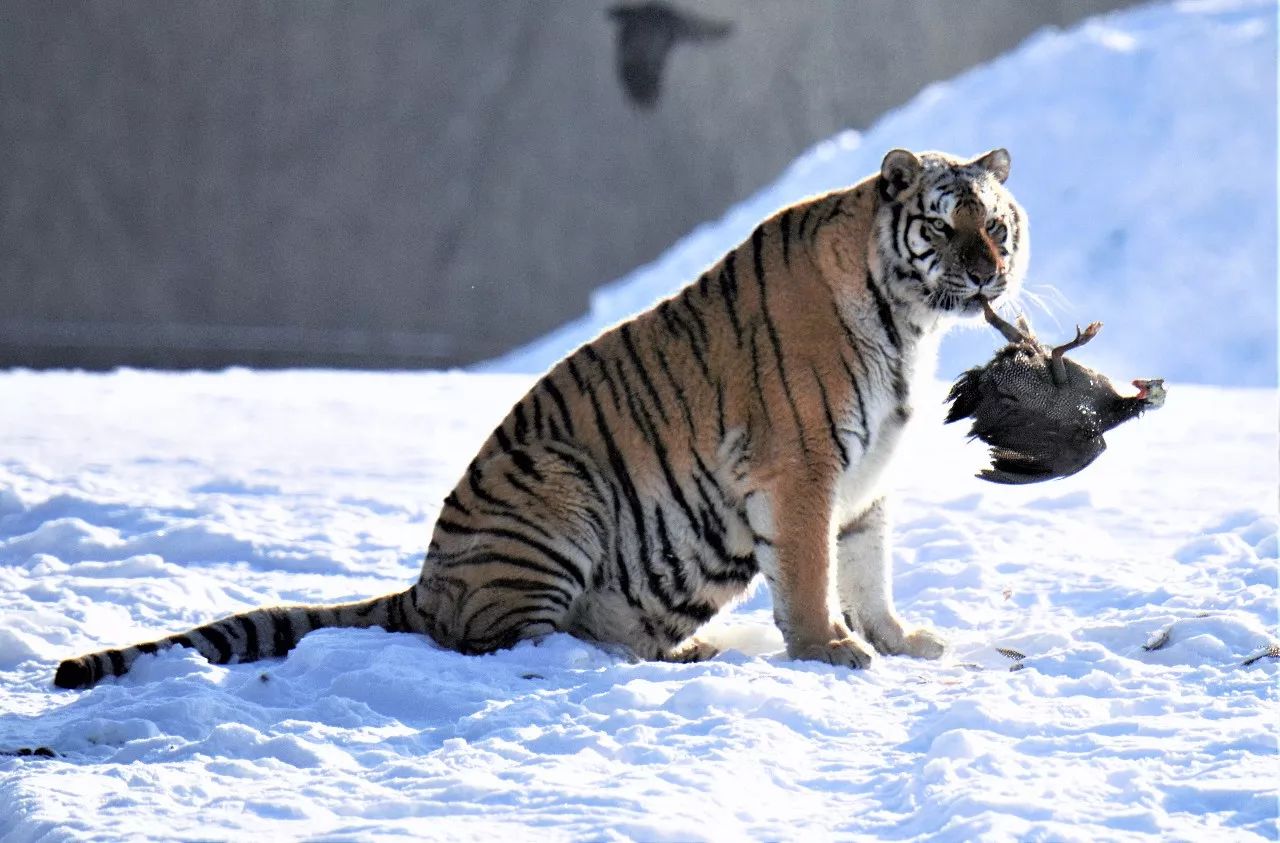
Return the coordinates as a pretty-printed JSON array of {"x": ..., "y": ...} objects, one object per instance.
[{"x": 740, "y": 427}]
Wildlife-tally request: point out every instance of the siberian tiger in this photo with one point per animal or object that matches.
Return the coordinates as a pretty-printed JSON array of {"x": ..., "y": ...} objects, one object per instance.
[{"x": 740, "y": 427}]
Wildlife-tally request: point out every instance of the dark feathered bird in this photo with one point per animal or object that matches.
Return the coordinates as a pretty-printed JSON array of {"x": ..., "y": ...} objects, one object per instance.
[
  {"x": 1042, "y": 414},
  {"x": 646, "y": 34}
]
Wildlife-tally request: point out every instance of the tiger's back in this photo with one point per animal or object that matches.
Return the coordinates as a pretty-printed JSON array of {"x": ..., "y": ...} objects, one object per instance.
[{"x": 734, "y": 429}]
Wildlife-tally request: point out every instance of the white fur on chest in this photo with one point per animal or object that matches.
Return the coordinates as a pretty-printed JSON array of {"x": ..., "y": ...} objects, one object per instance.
[
  {"x": 861, "y": 483},
  {"x": 865, "y": 480}
]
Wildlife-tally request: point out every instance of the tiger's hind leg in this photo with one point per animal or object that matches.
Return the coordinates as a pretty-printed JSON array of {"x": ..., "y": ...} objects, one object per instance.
[{"x": 517, "y": 544}]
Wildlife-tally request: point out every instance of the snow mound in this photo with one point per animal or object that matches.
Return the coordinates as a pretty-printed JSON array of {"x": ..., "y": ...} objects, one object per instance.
[{"x": 1144, "y": 150}]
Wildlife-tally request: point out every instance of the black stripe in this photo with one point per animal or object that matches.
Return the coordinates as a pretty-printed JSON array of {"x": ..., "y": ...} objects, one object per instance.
[
  {"x": 729, "y": 293},
  {"x": 584, "y": 511},
  {"x": 117, "y": 662},
  {"x": 885, "y": 314},
  {"x": 863, "y": 436},
  {"x": 635, "y": 408},
  {"x": 758, "y": 392},
  {"x": 537, "y": 414},
  {"x": 694, "y": 347},
  {"x": 503, "y": 533},
  {"x": 576, "y": 375},
  {"x": 219, "y": 641},
  {"x": 664, "y": 462},
  {"x": 504, "y": 441},
  {"x": 643, "y": 372},
  {"x": 251, "y": 651},
  {"x": 614, "y": 390},
  {"x": 899, "y": 232},
  {"x": 730, "y": 274},
  {"x": 882, "y": 187},
  {"x": 503, "y": 635},
  {"x": 721, "y": 423},
  {"x": 645, "y": 423},
  {"x": 489, "y": 557},
  {"x": 558, "y": 397},
  {"x": 282, "y": 639},
  {"x": 685, "y": 410},
  {"x": 832, "y": 429},
  {"x": 678, "y": 603},
  {"x": 148, "y": 648},
  {"x": 835, "y": 211},
  {"x": 395, "y": 615},
  {"x": 522, "y": 423},
  {"x": 553, "y": 592},
  {"x": 623, "y": 477},
  {"x": 804, "y": 218},
  {"x": 756, "y": 239},
  {"x": 526, "y": 465},
  {"x": 512, "y": 480},
  {"x": 474, "y": 475},
  {"x": 784, "y": 226},
  {"x": 514, "y": 515},
  {"x": 452, "y": 501},
  {"x": 693, "y": 312},
  {"x": 315, "y": 619},
  {"x": 757, "y": 252},
  {"x": 669, "y": 555}
]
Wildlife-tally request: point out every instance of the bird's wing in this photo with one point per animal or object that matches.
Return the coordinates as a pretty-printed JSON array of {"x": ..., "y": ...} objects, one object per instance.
[
  {"x": 964, "y": 396},
  {"x": 1062, "y": 460},
  {"x": 1013, "y": 467}
]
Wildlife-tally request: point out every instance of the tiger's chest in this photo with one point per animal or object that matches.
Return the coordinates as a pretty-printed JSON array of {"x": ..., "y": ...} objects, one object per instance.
[{"x": 862, "y": 481}]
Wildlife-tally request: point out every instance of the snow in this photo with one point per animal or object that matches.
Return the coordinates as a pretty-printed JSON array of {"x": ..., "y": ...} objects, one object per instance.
[
  {"x": 1095, "y": 687},
  {"x": 1144, "y": 152},
  {"x": 135, "y": 503}
]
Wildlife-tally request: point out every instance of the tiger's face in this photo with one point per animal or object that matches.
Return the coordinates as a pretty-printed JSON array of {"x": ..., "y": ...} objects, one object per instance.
[{"x": 952, "y": 231}]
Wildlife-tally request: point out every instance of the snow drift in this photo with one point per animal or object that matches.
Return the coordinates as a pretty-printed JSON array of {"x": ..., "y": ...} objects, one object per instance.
[{"x": 1144, "y": 151}]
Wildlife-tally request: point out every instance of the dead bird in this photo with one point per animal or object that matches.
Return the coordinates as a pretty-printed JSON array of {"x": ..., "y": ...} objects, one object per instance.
[{"x": 1042, "y": 414}]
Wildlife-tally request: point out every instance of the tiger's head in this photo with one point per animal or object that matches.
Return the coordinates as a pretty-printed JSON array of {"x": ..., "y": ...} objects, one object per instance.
[{"x": 951, "y": 231}]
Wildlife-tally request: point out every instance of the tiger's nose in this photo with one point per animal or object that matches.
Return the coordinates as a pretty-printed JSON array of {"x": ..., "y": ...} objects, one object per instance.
[{"x": 980, "y": 258}]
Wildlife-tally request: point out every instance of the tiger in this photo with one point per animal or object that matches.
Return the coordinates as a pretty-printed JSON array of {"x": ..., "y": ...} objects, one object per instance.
[{"x": 742, "y": 427}]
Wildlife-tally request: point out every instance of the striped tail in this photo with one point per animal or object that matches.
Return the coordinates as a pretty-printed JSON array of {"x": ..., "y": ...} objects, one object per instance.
[{"x": 261, "y": 633}]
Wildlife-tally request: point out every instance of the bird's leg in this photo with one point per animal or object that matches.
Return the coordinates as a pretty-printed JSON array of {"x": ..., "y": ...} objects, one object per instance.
[
  {"x": 1056, "y": 366},
  {"x": 1010, "y": 333}
]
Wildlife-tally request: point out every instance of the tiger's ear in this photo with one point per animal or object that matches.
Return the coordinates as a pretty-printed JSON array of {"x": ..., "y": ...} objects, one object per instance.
[
  {"x": 899, "y": 174},
  {"x": 996, "y": 162}
]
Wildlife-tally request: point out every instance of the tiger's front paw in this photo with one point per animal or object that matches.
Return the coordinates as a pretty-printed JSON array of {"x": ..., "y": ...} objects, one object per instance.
[
  {"x": 845, "y": 652},
  {"x": 889, "y": 638}
]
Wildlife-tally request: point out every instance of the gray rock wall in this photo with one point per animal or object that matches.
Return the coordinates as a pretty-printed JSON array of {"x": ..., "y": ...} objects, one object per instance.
[{"x": 401, "y": 183}]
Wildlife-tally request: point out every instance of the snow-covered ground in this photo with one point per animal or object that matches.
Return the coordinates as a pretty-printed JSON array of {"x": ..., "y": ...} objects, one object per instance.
[
  {"x": 133, "y": 504},
  {"x": 1144, "y": 150}
]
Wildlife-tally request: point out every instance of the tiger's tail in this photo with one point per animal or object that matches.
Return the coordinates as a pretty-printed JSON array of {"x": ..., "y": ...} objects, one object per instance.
[{"x": 258, "y": 634}]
